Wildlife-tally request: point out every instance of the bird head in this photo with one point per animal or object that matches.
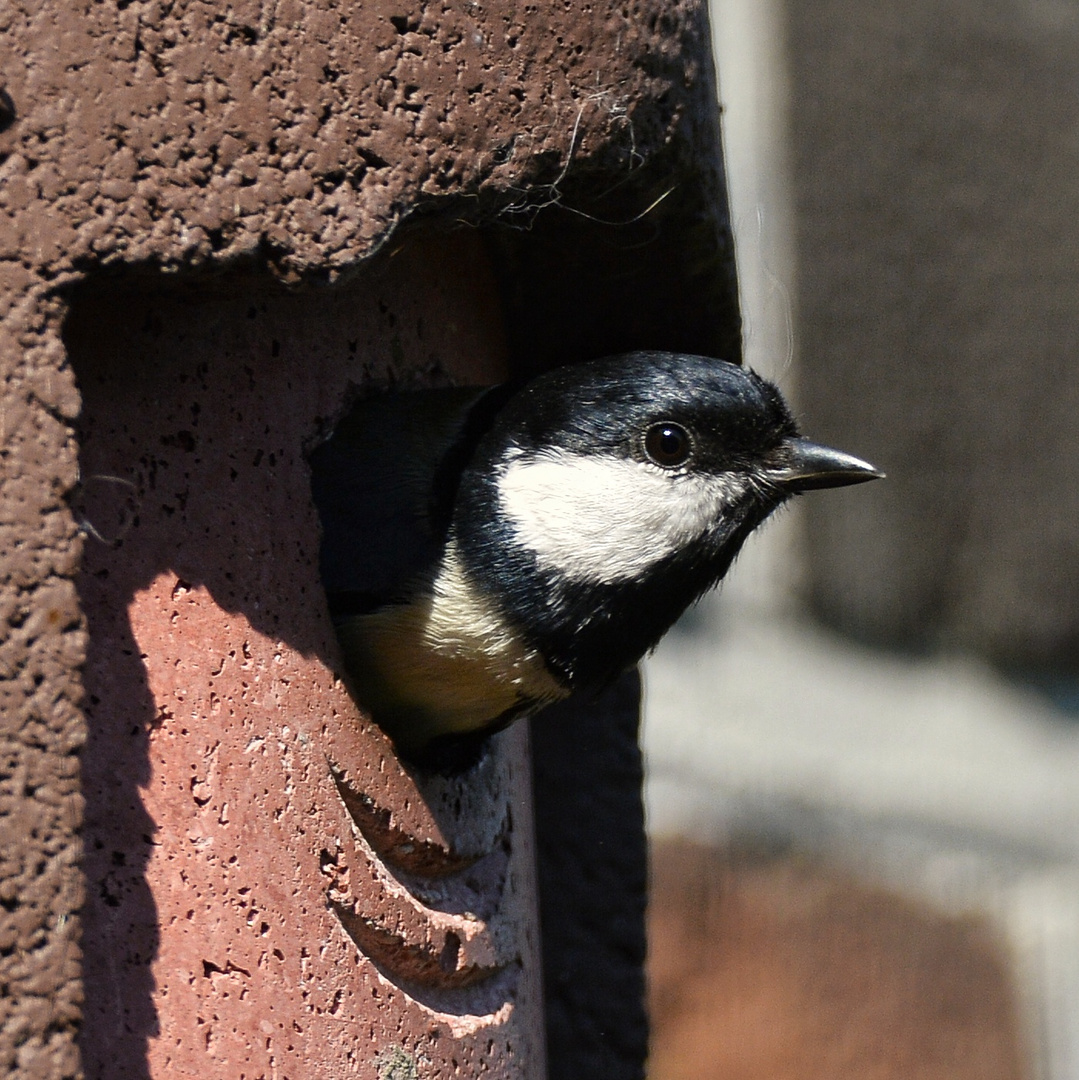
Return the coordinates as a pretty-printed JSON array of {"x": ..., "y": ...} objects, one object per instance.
[{"x": 608, "y": 496}]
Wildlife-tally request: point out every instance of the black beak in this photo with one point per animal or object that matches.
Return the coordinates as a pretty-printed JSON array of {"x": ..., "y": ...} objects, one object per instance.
[{"x": 807, "y": 465}]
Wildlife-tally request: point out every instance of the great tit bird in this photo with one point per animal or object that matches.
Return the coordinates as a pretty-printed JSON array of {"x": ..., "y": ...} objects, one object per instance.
[{"x": 488, "y": 552}]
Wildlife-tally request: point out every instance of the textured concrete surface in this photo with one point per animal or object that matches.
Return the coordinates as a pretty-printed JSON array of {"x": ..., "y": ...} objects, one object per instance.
[
  {"x": 154, "y": 154},
  {"x": 267, "y": 888},
  {"x": 175, "y": 134}
]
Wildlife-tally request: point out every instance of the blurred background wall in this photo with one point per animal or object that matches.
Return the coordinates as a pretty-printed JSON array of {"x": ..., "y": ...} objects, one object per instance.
[
  {"x": 888, "y": 681},
  {"x": 934, "y": 152}
]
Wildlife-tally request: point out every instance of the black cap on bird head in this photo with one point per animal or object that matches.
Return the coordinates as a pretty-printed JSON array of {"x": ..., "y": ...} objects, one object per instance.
[
  {"x": 546, "y": 536},
  {"x": 608, "y": 496}
]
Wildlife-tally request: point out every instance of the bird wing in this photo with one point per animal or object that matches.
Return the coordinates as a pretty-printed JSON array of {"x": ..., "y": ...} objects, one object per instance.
[{"x": 383, "y": 485}]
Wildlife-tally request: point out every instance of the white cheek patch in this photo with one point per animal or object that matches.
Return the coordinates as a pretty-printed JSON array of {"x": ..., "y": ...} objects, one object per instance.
[{"x": 603, "y": 519}]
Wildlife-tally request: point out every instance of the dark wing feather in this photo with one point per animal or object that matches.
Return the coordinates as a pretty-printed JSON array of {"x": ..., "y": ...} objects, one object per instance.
[{"x": 383, "y": 485}]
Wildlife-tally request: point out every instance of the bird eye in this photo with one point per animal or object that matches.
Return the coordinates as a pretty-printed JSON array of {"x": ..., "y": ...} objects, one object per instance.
[{"x": 667, "y": 444}]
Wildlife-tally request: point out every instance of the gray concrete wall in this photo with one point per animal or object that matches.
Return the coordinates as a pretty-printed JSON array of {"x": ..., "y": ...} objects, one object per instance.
[{"x": 935, "y": 163}]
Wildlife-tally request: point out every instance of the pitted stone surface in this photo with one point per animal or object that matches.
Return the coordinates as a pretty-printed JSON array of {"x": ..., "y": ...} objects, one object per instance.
[
  {"x": 239, "y": 915},
  {"x": 303, "y": 132},
  {"x": 41, "y": 645},
  {"x": 293, "y": 138}
]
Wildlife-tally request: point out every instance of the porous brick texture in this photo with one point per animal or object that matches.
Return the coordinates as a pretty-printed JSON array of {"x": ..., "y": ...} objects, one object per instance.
[
  {"x": 268, "y": 889},
  {"x": 203, "y": 258}
]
